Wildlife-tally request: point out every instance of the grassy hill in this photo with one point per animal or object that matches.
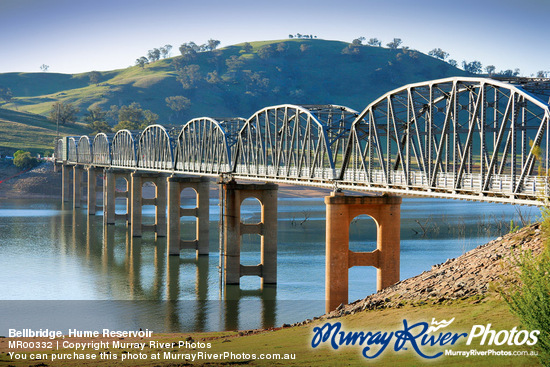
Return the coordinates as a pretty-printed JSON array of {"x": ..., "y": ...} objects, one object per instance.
[
  {"x": 31, "y": 132},
  {"x": 296, "y": 71}
]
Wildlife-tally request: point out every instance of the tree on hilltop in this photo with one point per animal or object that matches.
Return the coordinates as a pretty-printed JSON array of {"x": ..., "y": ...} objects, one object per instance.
[
  {"x": 165, "y": 51},
  {"x": 142, "y": 61},
  {"x": 153, "y": 55},
  {"x": 94, "y": 77},
  {"x": 438, "y": 54},
  {"x": 374, "y": 42},
  {"x": 211, "y": 44},
  {"x": 473, "y": 67},
  {"x": 395, "y": 43}
]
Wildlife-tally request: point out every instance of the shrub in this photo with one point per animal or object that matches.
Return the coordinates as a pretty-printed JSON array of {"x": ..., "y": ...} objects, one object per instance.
[
  {"x": 528, "y": 296},
  {"x": 23, "y": 159}
]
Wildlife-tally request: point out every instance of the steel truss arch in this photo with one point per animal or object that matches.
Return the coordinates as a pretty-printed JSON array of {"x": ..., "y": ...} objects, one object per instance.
[
  {"x": 290, "y": 142},
  {"x": 72, "y": 148},
  {"x": 155, "y": 149},
  {"x": 124, "y": 149},
  {"x": 454, "y": 136},
  {"x": 84, "y": 149},
  {"x": 206, "y": 145},
  {"x": 58, "y": 152},
  {"x": 101, "y": 150}
]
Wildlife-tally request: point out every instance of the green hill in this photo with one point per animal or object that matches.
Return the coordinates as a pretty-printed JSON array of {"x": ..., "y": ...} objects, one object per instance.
[
  {"x": 30, "y": 132},
  {"x": 295, "y": 71}
]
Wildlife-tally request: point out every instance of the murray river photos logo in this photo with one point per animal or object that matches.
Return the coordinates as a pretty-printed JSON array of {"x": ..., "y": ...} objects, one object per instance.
[{"x": 417, "y": 337}]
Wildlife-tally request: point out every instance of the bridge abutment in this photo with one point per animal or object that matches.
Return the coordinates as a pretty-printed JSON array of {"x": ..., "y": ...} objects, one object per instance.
[
  {"x": 159, "y": 201},
  {"x": 233, "y": 229},
  {"x": 341, "y": 210},
  {"x": 201, "y": 212}
]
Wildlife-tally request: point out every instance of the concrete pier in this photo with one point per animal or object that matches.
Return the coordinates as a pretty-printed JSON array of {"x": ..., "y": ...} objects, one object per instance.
[
  {"x": 78, "y": 181},
  {"x": 93, "y": 189},
  {"x": 110, "y": 194},
  {"x": 159, "y": 201},
  {"x": 234, "y": 194},
  {"x": 66, "y": 182},
  {"x": 341, "y": 210},
  {"x": 201, "y": 211}
]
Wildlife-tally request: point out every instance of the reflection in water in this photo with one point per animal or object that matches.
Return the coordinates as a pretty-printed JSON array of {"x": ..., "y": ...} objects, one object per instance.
[
  {"x": 139, "y": 268},
  {"x": 115, "y": 281}
]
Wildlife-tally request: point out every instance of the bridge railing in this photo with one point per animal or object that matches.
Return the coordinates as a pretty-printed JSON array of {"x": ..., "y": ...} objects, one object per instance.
[{"x": 473, "y": 137}]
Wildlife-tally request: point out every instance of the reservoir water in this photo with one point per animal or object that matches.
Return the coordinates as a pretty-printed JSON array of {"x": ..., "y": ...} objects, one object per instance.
[{"x": 62, "y": 269}]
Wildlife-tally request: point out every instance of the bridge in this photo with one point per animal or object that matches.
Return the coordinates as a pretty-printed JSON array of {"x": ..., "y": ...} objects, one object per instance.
[{"x": 456, "y": 138}]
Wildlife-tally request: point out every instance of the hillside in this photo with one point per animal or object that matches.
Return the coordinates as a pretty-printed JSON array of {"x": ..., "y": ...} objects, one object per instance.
[
  {"x": 31, "y": 132},
  {"x": 235, "y": 82}
]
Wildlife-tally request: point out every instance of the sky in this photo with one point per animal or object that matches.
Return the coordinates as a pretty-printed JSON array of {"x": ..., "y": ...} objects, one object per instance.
[{"x": 73, "y": 36}]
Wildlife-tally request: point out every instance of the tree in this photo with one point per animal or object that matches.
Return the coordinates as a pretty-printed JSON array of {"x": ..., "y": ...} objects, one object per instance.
[
  {"x": 5, "y": 94},
  {"x": 453, "y": 62},
  {"x": 282, "y": 47},
  {"x": 542, "y": 74},
  {"x": 178, "y": 104},
  {"x": 358, "y": 41},
  {"x": 165, "y": 51},
  {"x": 234, "y": 63},
  {"x": 374, "y": 42},
  {"x": 247, "y": 47},
  {"x": 133, "y": 117},
  {"x": 44, "y": 67},
  {"x": 24, "y": 160},
  {"x": 189, "y": 76},
  {"x": 395, "y": 43},
  {"x": 213, "y": 78},
  {"x": 95, "y": 113},
  {"x": 438, "y": 54},
  {"x": 473, "y": 67},
  {"x": 63, "y": 112},
  {"x": 100, "y": 127},
  {"x": 265, "y": 52},
  {"x": 189, "y": 50},
  {"x": 142, "y": 61},
  {"x": 153, "y": 55},
  {"x": 490, "y": 69},
  {"x": 211, "y": 44},
  {"x": 290, "y": 36},
  {"x": 94, "y": 77}
]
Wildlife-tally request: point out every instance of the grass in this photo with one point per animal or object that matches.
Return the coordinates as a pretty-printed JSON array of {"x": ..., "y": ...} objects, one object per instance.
[
  {"x": 320, "y": 75},
  {"x": 30, "y": 132},
  {"x": 297, "y": 340}
]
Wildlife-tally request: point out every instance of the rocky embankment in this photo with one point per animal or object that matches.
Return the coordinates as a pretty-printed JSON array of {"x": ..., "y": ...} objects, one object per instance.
[
  {"x": 466, "y": 276},
  {"x": 39, "y": 182}
]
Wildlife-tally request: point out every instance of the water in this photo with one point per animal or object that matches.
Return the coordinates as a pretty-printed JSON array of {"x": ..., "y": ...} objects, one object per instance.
[{"x": 62, "y": 269}]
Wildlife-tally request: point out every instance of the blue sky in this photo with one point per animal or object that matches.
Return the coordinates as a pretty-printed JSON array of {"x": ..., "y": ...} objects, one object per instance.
[{"x": 77, "y": 36}]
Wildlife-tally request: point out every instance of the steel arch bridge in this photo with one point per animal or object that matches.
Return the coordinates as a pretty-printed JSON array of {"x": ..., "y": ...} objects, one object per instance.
[{"x": 460, "y": 138}]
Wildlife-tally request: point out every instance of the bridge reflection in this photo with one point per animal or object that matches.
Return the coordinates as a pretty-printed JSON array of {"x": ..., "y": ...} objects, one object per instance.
[{"x": 151, "y": 288}]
